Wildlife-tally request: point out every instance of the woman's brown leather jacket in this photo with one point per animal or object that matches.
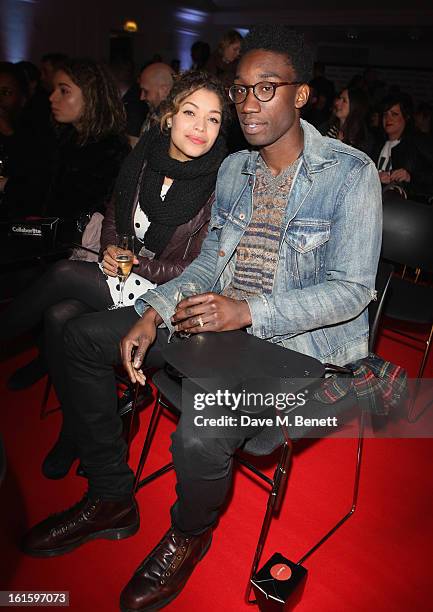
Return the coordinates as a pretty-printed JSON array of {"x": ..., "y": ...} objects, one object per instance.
[{"x": 183, "y": 248}]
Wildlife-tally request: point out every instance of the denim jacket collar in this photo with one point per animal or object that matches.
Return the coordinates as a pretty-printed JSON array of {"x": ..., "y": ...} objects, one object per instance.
[{"x": 316, "y": 156}]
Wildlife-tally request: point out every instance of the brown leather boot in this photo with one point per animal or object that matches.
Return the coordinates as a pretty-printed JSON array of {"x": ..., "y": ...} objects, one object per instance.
[
  {"x": 164, "y": 572},
  {"x": 87, "y": 520}
]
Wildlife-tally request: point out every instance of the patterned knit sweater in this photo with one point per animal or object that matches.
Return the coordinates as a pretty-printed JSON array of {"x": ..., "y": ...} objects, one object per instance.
[{"x": 257, "y": 251}]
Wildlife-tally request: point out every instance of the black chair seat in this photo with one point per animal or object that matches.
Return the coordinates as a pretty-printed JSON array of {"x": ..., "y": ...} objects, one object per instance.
[
  {"x": 410, "y": 302},
  {"x": 271, "y": 437}
]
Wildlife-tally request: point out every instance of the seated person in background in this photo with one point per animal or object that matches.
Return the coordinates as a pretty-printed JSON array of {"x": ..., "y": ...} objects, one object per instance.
[
  {"x": 38, "y": 105},
  {"x": 92, "y": 143},
  {"x": 324, "y": 94},
  {"x": 285, "y": 258},
  {"x": 163, "y": 196},
  {"x": 13, "y": 97},
  {"x": 156, "y": 81},
  {"x": 200, "y": 52},
  {"x": 222, "y": 62},
  {"x": 90, "y": 149},
  {"x": 32, "y": 145},
  {"x": 348, "y": 122},
  {"x": 404, "y": 157}
]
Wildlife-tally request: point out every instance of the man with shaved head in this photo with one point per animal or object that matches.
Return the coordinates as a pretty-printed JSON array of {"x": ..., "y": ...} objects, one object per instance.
[{"x": 156, "y": 81}]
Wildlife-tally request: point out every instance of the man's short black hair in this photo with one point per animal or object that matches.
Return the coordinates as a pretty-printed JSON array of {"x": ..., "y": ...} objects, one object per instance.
[{"x": 282, "y": 39}]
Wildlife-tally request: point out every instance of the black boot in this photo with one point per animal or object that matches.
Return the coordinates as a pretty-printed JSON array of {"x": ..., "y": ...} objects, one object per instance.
[{"x": 87, "y": 520}]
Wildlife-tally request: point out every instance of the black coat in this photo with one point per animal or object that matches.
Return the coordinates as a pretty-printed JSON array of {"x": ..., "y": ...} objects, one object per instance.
[
  {"x": 414, "y": 153},
  {"x": 83, "y": 176},
  {"x": 75, "y": 181}
]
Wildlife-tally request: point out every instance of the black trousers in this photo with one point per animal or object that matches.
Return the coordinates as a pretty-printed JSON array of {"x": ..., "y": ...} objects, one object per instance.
[
  {"x": 67, "y": 290},
  {"x": 203, "y": 466}
]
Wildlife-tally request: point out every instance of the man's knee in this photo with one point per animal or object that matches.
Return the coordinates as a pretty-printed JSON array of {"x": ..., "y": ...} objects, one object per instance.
[
  {"x": 82, "y": 337},
  {"x": 201, "y": 457}
]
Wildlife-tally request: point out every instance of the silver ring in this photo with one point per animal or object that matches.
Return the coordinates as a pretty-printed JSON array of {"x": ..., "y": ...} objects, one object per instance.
[{"x": 200, "y": 321}]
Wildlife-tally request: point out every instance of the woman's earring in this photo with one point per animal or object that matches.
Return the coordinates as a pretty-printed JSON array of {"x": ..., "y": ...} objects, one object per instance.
[{"x": 169, "y": 123}]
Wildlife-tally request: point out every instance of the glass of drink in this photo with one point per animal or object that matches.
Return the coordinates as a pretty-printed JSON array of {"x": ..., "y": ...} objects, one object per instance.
[
  {"x": 125, "y": 260},
  {"x": 185, "y": 290}
]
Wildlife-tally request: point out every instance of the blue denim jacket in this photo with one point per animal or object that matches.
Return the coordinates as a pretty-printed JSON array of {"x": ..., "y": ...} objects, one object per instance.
[{"x": 329, "y": 250}]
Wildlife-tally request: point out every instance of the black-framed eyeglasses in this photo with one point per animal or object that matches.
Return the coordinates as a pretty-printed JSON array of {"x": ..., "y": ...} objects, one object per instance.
[{"x": 264, "y": 91}]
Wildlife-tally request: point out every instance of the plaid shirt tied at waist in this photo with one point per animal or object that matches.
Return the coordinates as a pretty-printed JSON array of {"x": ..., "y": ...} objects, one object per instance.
[{"x": 379, "y": 385}]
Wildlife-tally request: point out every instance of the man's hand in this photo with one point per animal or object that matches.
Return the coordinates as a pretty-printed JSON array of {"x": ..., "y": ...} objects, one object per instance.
[
  {"x": 109, "y": 263},
  {"x": 211, "y": 312},
  {"x": 135, "y": 344},
  {"x": 3, "y": 181},
  {"x": 385, "y": 177},
  {"x": 400, "y": 175}
]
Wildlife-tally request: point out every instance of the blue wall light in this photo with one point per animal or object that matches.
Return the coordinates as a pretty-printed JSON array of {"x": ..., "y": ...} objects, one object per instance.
[
  {"x": 187, "y": 32},
  {"x": 17, "y": 25}
]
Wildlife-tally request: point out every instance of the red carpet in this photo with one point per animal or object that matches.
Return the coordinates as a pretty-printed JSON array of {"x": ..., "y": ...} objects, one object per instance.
[{"x": 380, "y": 560}]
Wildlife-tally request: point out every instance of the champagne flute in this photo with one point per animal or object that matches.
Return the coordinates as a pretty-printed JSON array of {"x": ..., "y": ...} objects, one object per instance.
[
  {"x": 185, "y": 290},
  {"x": 125, "y": 260}
]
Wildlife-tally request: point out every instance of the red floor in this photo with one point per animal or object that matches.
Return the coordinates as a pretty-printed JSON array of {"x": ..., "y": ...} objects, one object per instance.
[{"x": 380, "y": 560}]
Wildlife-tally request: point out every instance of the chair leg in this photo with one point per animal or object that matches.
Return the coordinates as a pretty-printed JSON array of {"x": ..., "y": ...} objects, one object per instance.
[
  {"x": 148, "y": 440},
  {"x": 133, "y": 414},
  {"x": 273, "y": 505},
  {"x": 426, "y": 352},
  {"x": 410, "y": 415},
  {"x": 359, "y": 450}
]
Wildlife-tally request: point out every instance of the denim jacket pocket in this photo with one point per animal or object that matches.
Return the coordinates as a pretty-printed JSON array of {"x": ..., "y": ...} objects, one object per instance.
[{"x": 306, "y": 241}]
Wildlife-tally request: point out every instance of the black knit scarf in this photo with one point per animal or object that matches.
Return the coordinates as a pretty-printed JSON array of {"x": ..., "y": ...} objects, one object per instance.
[{"x": 193, "y": 183}]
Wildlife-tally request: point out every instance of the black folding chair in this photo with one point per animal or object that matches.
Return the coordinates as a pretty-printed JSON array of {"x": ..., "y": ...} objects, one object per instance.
[
  {"x": 170, "y": 397},
  {"x": 407, "y": 240}
]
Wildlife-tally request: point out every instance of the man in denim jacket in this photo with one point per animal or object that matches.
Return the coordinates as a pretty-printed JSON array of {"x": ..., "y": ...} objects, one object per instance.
[{"x": 291, "y": 256}]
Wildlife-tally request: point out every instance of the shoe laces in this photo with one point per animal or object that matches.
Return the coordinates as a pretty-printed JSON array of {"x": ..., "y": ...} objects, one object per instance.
[
  {"x": 178, "y": 555},
  {"x": 84, "y": 515}
]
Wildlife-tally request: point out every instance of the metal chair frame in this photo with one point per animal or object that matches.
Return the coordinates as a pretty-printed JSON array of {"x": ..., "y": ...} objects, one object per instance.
[{"x": 277, "y": 484}]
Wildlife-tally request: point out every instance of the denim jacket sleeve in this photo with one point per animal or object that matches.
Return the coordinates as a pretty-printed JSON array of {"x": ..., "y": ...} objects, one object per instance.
[{"x": 350, "y": 267}]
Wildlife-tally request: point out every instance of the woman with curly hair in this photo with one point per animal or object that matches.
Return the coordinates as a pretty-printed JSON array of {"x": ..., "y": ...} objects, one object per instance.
[
  {"x": 91, "y": 122},
  {"x": 163, "y": 196},
  {"x": 86, "y": 154}
]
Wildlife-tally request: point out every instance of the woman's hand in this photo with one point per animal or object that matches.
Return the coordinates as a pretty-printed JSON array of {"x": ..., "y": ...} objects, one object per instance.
[
  {"x": 400, "y": 175},
  {"x": 3, "y": 181},
  {"x": 109, "y": 263},
  {"x": 211, "y": 312},
  {"x": 385, "y": 177},
  {"x": 136, "y": 343}
]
